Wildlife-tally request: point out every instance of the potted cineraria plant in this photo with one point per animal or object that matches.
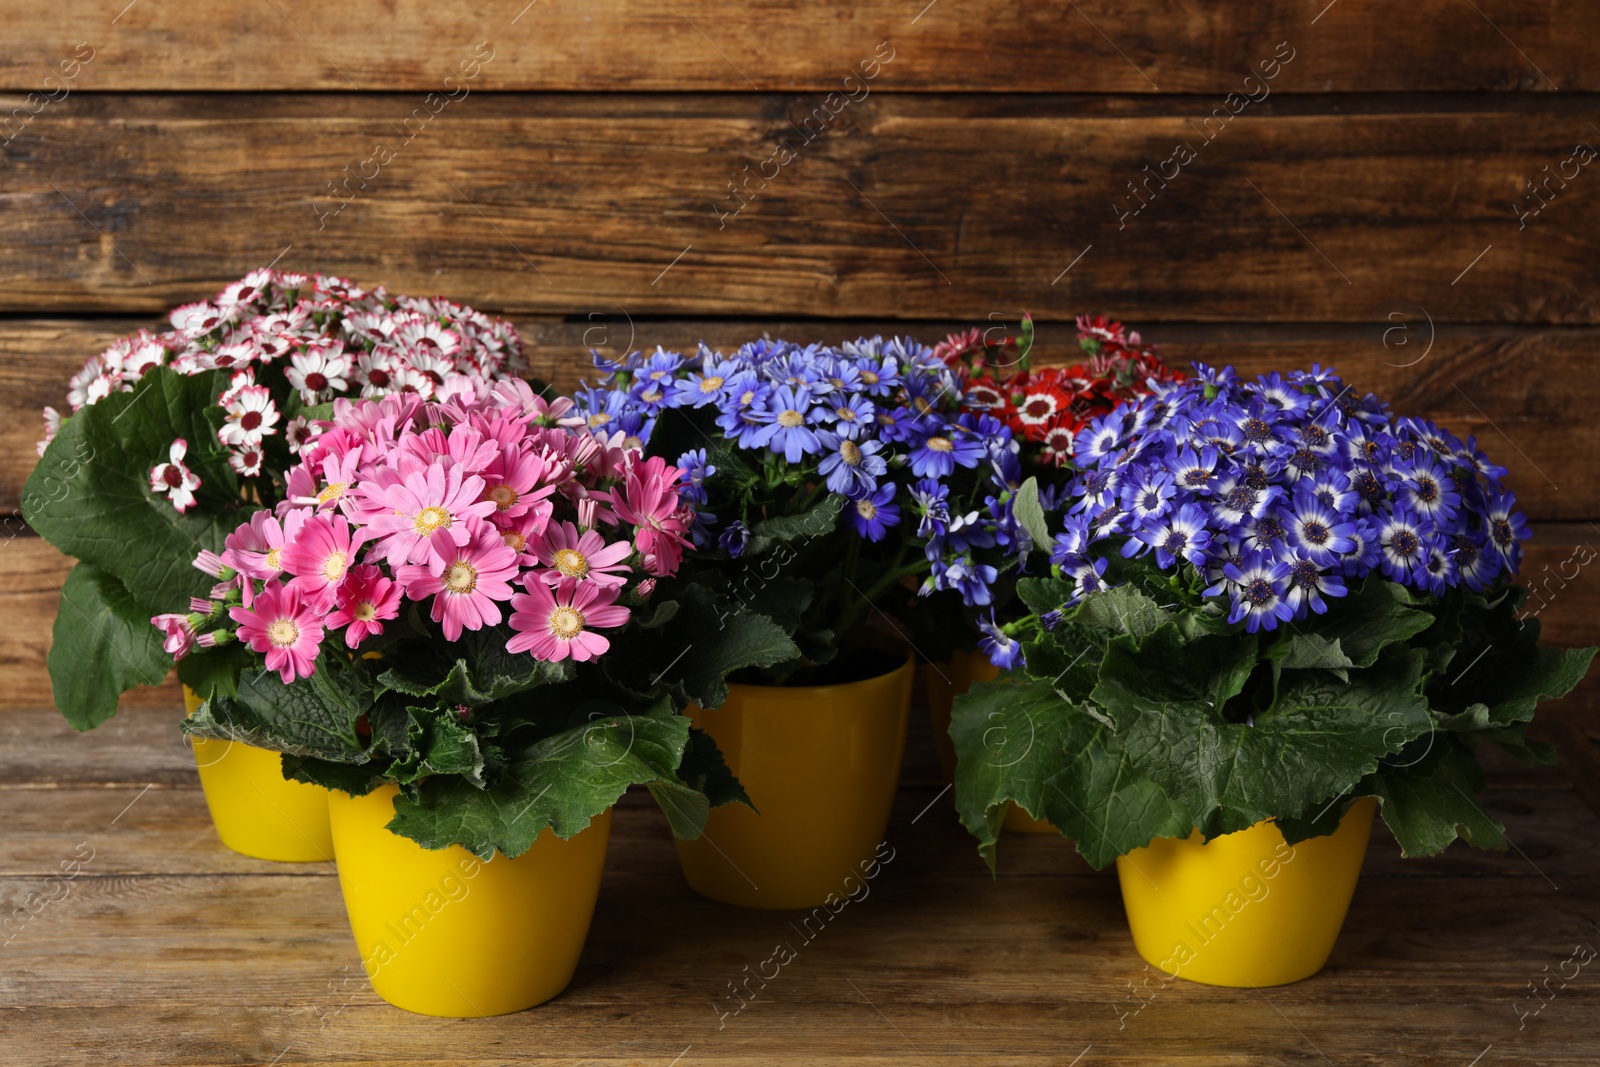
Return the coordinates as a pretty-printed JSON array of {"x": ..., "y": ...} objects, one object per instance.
[
  {"x": 829, "y": 483},
  {"x": 1274, "y": 608},
  {"x": 444, "y": 624},
  {"x": 1044, "y": 408},
  {"x": 171, "y": 438}
]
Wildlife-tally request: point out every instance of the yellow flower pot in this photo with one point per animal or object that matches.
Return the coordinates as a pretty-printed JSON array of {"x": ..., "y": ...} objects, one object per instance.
[
  {"x": 1244, "y": 909},
  {"x": 822, "y": 765},
  {"x": 946, "y": 681},
  {"x": 257, "y": 812},
  {"x": 445, "y": 933}
]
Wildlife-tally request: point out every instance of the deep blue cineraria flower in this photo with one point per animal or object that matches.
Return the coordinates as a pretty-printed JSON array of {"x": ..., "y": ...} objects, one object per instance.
[
  {"x": 1283, "y": 490},
  {"x": 874, "y": 422},
  {"x": 1003, "y": 651}
]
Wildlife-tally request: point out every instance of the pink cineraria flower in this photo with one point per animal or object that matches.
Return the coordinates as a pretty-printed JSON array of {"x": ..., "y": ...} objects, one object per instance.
[
  {"x": 581, "y": 556},
  {"x": 251, "y": 415},
  {"x": 256, "y": 548},
  {"x": 320, "y": 556},
  {"x": 178, "y": 634},
  {"x": 174, "y": 479},
  {"x": 363, "y": 602},
  {"x": 512, "y": 480},
  {"x": 285, "y": 628},
  {"x": 648, "y": 498},
  {"x": 465, "y": 589},
  {"x": 557, "y": 624},
  {"x": 428, "y": 516}
]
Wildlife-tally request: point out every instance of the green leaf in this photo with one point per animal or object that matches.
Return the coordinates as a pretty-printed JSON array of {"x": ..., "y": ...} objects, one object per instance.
[
  {"x": 481, "y": 672},
  {"x": 1030, "y": 514},
  {"x": 704, "y": 769},
  {"x": 313, "y": 716},
  {"x": 1431, "y": 802},
  {"x": 713, "y": 638},
  {"x": 1374, "y": 615},
  {"x": 357, "y": 779},
  {"x": 90, "y": 494},
  {"x": 1122, "y": 609},
  {"x": 561, "y": 781},
  {"x": 102, "y": 646},
  {"x": 1306, "y": 651},
  {"x": 1017, "y": 741},
  {"x": 1320, "y": 737},
  {"x": 437, "y": 742},
  {"x": 208, "y": 670},
  {"x": 820, "y": 519}
]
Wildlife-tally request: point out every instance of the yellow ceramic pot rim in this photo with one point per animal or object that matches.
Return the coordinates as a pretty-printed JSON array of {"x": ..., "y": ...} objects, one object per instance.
[{"x": 842, "y": 690}]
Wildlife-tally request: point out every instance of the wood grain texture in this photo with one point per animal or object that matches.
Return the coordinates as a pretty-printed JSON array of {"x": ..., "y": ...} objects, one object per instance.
[
  {"x": 1528, "y": 394},
  {"x": 1095, "y": 46},
  {"x": 904, "y": 207},
  {"x": 167, "y": 949}
]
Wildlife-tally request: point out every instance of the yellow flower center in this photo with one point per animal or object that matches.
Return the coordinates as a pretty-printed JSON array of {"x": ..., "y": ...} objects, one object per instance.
[
  {"x": 866, "y": 508},
  {"x": 869, "y": 377},
  {"x": 513, "y": 539},
  {"x": 333, "y": 491},
  {"x": 790, "y": 418},
  {"x": 430, "y": 519},
  {"x": 504, "y": 497},
  {"x": 746, "y": 397},
  {"x": 845, "y": 414},
  {"x": 571, "y": 563},
  {"x": 275, "y": 558},
  {"x": 850, "y": 453},
  {"x": 939, "y": 444},
  {"x": 333, "y": 566},
  {"x": 366, "y": 611},
  {"x": 566, "y": 623},
  {"x": 599, "y": 418},
  {"x": 710, "y": 384},
  {"x": 461, "y": 578},
  {"x": 283, "y": 633}
]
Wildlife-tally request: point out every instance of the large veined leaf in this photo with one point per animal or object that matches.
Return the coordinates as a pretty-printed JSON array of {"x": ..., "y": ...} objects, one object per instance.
[
  {"x": 481, "y": 672},
  {"x": 1317, "y": 739},
  {"x": 1431, "y": 802},
  {"x": 1374, "y": 615},
  {"x": 315, "y": 716},
  {"x": 90, "y": 494},
  {"x": 561, "y": 781},
  {"x": 102, "y": 646},
  {"x": 1017, "y": 741}
]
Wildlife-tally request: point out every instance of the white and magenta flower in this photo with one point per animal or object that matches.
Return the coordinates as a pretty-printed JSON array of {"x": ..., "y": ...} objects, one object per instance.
[
  {"x": 251, "y": 415},
  {"x": 173, "y": 479}
]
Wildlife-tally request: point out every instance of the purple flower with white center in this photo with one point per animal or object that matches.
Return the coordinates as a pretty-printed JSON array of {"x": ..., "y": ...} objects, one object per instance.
[
  {"x": 1405, "y": 545},
  {"x": 1316, "y": 530},
  {"x": 1365, "y": 553},
  {"x": 1148, "y": 496},
  {"x": 1438, "y": 571},
  {"x": 1088, "y": 577},
  {"x": 1097, "y": 441},
  {"x": 734, "y": 538},
  {"x": 1192, "y": 470},
  {"x": 1331, "y": 487},
  {"x": 1237, "y": 504},
  {"x": 873, "y": 515},
  {"x": 1260, "y": 596},
  {"x": 1182, "y": 535},
  {"x": 1289, "y": 400},
  {"x": 1072, "y": 542},
  {"x": 931, "y": 501},
  {"x": 1309, "y": 583},
  {"x": 1428, "y": 491},
  {"x": 1096, "y": 488},
  {"x": 1003, "y": 651},
  {"x": 1476, "y": 565},
  {"x": 965, "y": 575},
  {"x": 1506, "y": 527}
]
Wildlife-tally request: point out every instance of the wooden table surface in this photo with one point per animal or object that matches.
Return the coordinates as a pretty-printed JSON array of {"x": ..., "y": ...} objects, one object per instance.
[{"x": 169, "y": 949}]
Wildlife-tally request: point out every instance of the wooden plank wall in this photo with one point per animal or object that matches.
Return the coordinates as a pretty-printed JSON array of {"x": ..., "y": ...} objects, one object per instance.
[{"x": 1403, "y": 192}]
